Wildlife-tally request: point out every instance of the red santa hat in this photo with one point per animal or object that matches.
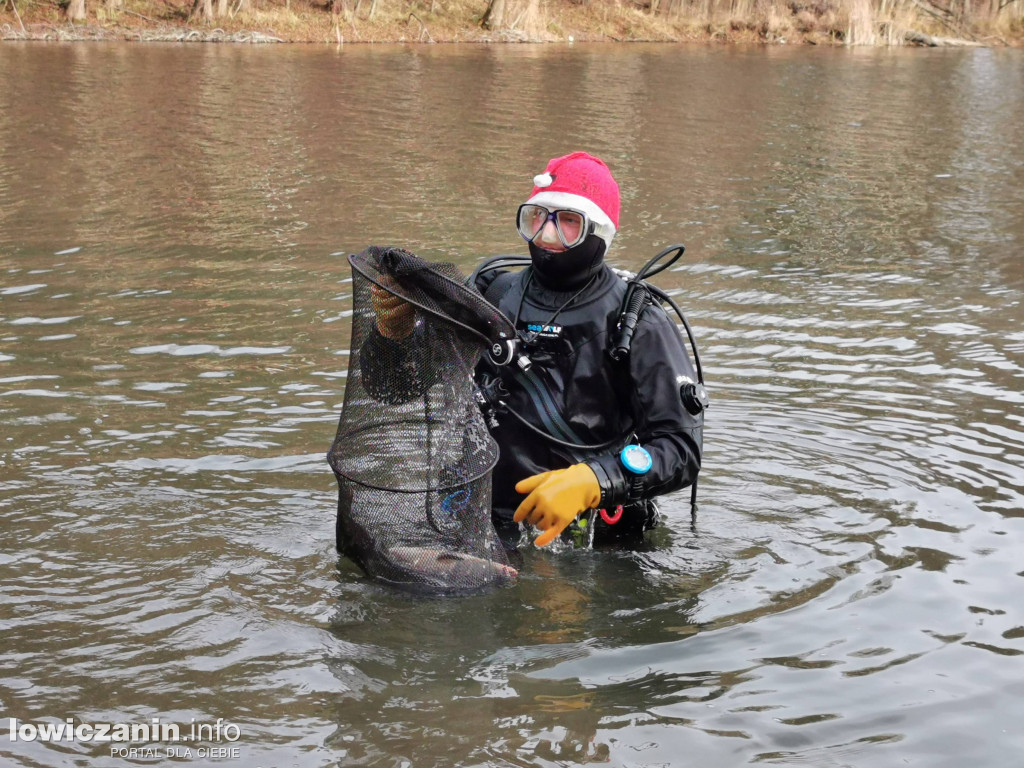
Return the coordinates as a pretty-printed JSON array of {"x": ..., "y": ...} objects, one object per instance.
[{"x": 582, "y": 183}]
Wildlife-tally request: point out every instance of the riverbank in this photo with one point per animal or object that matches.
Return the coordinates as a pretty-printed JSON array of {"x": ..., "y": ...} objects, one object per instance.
[{"x": 816, "y": 22}]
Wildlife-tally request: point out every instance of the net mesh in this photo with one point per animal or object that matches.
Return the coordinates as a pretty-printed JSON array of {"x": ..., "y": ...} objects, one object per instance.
[{"x": 412, "y": 454}]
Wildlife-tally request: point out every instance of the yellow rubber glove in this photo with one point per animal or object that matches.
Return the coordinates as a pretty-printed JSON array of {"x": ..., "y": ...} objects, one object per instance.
[
  {"x": 395, "y": 317},
  {"x": 556, "y": 498}
]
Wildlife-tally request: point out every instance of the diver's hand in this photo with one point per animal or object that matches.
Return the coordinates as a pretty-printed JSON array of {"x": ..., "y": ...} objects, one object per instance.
[
  {"x": 395, "y": 317},
  {"x": 556, "y": 498}
]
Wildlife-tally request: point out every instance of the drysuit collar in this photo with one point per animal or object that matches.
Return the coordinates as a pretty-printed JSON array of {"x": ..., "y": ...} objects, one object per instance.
[{"x": 564, "y": 270}]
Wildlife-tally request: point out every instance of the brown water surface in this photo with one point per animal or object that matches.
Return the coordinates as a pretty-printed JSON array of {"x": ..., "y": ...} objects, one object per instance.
[{"x": 173, "y": 348}]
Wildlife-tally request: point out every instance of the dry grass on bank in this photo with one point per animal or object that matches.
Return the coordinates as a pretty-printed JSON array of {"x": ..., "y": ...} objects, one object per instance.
[{"x": 849, "y": 22}]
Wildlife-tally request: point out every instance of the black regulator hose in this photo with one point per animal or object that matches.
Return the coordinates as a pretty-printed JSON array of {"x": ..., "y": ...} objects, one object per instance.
[
  {"x": 564, "y": 443},
  {"x": 662, "y": 296},
  {"x": 502, "y": 261},
  {"x": 638, "y": 295},
  {"x": 647, "y": 269}
]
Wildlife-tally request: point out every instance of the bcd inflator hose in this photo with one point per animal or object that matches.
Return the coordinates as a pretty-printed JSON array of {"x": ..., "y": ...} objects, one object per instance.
[{"x": 627, "y": 324}]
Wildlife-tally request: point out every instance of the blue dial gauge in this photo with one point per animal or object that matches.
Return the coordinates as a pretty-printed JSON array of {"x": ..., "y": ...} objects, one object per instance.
[{"x": 636, "y": 459}]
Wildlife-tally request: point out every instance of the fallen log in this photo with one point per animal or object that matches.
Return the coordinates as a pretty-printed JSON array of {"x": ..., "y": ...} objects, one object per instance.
[{"x": 920, "y": 38}]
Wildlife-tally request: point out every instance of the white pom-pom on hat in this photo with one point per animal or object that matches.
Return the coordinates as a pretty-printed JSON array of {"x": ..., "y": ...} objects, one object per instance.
[{"x": 542, "y": 180}]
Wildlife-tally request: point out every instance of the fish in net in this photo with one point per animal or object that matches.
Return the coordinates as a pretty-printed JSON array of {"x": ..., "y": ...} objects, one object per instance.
[{"x": 412, "y": 454}]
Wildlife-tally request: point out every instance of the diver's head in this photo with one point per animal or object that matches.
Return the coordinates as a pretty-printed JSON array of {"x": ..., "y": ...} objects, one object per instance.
[{"x": 570, "y": 219}]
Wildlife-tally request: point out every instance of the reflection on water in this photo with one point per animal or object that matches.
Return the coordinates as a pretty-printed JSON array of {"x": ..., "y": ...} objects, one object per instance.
[{"x": 173, "y": 348}]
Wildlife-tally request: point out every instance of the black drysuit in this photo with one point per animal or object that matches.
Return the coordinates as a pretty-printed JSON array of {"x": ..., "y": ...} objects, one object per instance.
[{"x": 575, "y": 391}]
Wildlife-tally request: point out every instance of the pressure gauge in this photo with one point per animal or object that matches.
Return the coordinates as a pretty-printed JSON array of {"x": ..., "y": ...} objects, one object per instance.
[{"x": 636, "y": 459}]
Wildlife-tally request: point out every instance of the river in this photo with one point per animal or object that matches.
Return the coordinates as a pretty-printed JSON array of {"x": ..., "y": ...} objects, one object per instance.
[{"x": 174, "y": 329}]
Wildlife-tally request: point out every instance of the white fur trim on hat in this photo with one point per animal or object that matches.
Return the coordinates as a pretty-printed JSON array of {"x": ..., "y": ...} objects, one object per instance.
[{"x": 603, "y": 225}]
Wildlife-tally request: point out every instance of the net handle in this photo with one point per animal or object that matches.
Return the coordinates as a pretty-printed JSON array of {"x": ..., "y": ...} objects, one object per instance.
[{"x": 509, "y": 332}]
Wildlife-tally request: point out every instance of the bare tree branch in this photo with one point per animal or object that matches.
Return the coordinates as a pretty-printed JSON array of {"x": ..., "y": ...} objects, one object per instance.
[
  {"x": 17, "y": 15},
  {"x": 423, "y": 30}
]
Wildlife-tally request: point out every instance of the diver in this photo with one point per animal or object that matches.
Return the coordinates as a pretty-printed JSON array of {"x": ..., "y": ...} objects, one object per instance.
[{"x": 580, "y": 426}]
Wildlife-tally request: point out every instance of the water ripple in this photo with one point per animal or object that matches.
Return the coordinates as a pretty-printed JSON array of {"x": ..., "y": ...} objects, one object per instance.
[{"x": 845, "y": 592}]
